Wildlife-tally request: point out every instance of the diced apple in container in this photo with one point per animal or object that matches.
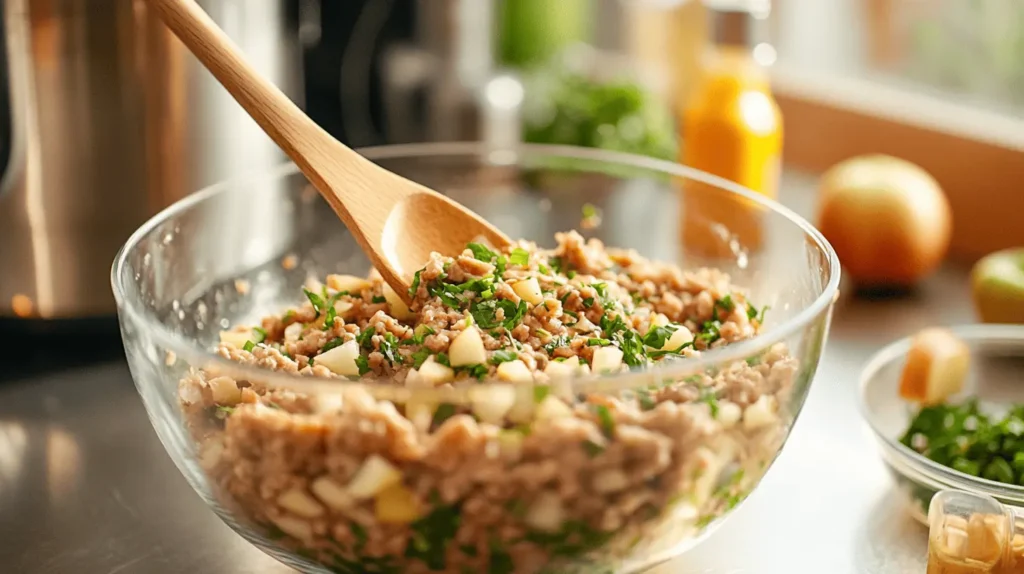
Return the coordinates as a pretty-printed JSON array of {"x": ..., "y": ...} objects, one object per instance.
[
  {"x": 514, "y": 371},
  {"x": 606, "y": 360},
  {"x": 331, "y": 493},
  {"x": 491, "y": 403},
  {"x": 397, "y": 505},
  {"x": 375, "y": 475},
  {"x": 525, "y": 404},
  {"x": 224, "y": 390},
  {"x": 341, "y": 360},
  {"x": 679, "y": 337},
  {"x": 236, "y": 339},
  {"x": 297, "y": 502},
  {"x": 349, "y": 283},
  {"x": 529, "y": 290},
  {"x": 432, "y": 373},
  {"x": 546, "y": 513},
  {"x": 293, "y": 332},
  {"x": 552, "y": 408},
  {"x": 510, "y": 444},
  {"x": 936, "y": 368},
  {"x": 467, "y": 349},
  {"x": 399, "y": 310}
]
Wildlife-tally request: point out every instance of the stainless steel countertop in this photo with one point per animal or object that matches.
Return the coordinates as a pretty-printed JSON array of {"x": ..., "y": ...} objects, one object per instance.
[{"x": 85, "y": 486}]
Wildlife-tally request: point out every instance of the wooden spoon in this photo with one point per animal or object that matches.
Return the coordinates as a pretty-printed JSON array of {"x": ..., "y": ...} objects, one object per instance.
[{"x": 397, "y": 222}]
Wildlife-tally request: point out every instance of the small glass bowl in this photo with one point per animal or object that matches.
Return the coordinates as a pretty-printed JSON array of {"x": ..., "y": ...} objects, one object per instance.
[{"x": 996, "y": 377}]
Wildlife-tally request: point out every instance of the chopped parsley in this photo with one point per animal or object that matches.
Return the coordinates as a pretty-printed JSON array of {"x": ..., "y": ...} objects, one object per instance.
[
  {"x": 420, "y": 356},
  {"x": 481, "y": 252},
  {"x": 556, "y": 342},
  {"x": 593, "y": 342},
  {"x": 485, "y": 313},
  {"x": 444, "y": 412},
  {"x": 753, "y": 314},
  {"x": 432, "y": 533},
  {"x": 332, "y": 314},
  {"x": 592, "y": 448},
  {"x": 503, "y": 356},
  {"x": 519, "y": 256},
  {"x": 478, "y": 371},
  {"x": 335, "y": 342},
  {"x": 317, "y": 301},
  {"x": 710, "y": 398},
  {"x": 249, "y": 346},
  {"x": 378, "y": 299},
  {"x": 590, "y": 211},
  {"x": 541, "y": 392},
  {"x": 657, "y": 336},
  {"x": 259, "y": 335},
  {"x": 588, "y": 302},
  {"x": 415, "y": 284},
  {"x": 389, "y": 348},
  {"x": 364, "y": 338},
  {"x": 363, "y": 364},
  {"x": 604, "y": 417},
  {"x": 442, "y": 358},
  {"x": 725, "y": 304},
  {"x": 645, "y": 400}
]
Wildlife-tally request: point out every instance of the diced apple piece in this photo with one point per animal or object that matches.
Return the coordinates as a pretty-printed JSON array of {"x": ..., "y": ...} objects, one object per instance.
[
  {"x": 331, "y": 493},
  {"x": 607, "y": 360},
  {"x": 294, "y": 527},
  {"x": 432, "y": 373},
  {"x": 298, "y": 502},
  {"x": 349, "y": 283},
  {"x": 610, "y": 480},
  {"x": 467, "y": 349},
  {"x": 399, "y": 310},
  {"x": 236, "y": 339},
  {"x": 760, "y": 414},
  {"x": 546, "y": 513},
  {"x": 374, "y": 275},
  {"x": 225, "y": 390},
  {"x": 293, "y": 332},
  {"x": 375, "y": 475},
  {"x": 420, "y": 413},
  {"x": 529, "y": 290},
  {"x": 397, "y": 505},
  {"x": 525, "y": 404},
  {"x": 313, "y": 284},
  {"x": 936, "y": 367},
  {"x": 729, "y": 413},
  {"x": 552, "y": 408},
  {"x": 659, "y": 320},
  {"x": 510, "y": 444},
  {"x": 491, "y": 403},
  {"x": 341, "y": 308},
  {"x": 563, "y": 369},
  {"x": 514, "y": 371},
  {"x": 341, "y": 360},
  {"x": 679, "y": 337}
]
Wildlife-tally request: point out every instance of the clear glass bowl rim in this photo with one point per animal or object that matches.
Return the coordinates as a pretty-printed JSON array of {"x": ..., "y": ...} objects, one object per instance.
[
  {"x": 194, "y": 354},
  {"x": 928, "y": 468}
]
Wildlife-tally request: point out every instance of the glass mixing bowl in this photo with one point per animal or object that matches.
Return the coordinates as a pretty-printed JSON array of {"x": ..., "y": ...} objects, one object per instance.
[
  {"x": 237, "y": 251},
  {"x": 994, "y": 379}
]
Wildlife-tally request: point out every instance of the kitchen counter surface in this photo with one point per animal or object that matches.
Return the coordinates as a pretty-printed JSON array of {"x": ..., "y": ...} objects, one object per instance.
[{"x": 85, "y": 486}]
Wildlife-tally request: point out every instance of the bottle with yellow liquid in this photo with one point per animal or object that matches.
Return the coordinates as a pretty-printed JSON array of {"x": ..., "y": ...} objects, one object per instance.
[{"x": 731, "y": 128}]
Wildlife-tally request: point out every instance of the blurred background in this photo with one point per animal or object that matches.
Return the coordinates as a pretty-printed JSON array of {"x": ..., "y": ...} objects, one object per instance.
[{"x": 106, "y": 119}]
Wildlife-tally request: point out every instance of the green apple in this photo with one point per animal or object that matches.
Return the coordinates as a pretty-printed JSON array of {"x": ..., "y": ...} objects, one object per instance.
[{"x": 997, "y": 282}]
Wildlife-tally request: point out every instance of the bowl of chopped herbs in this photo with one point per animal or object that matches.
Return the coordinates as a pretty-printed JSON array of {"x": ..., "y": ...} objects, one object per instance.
[{"x": 968, "y": 438}]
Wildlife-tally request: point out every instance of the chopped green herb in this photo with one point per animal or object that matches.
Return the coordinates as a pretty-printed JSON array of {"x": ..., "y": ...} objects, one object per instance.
[
  {"x": 260, "y": 335},
  {"x": 592, "y": 448},
  {"x": 500, "y": 561},
  {"x": 572, "y": 314},
  {"x": 249, "y": 346},
  {"x": 601, "y": 288},
  {"x": 378, "y": 299},
  {"x": 556, "y": 342},
  {"x": 485, "y": 313},
  {"x": 646, "y": 401},
  {"x": 499, "y": 266},
  {"x": 364, "y": 338},
  {"x": 725, "y": 304},
  {"x": 432, "y": 534},
  {"x": 315, "y": 300},
  {"x": 389, "y": 345},
  {"x": 363, "y": 364},
  {"x": 710, "y": 398},
  {"x": 478, "y": 371},
  {"x": 588, "y": 302},
  {"x": 544, "y": 269},
  {"x": 556, "y": 264},
  {"x": 444, "y": 412},
  {"x": 571, "y": 274},
  {"x": 503, "y": 356},
  {"x": 419, "y": 357},
  {"x": 590, "y": 211},
  {"x": 657, "y": 336},
  {"x": 604, "y": 416},
  {"x": 226, "y": 410},
  {"x": 332, "y": 314},
  {"x": 442, "y": 358},
  {"x": 598, "y": 342},
  {"x": 415, "y": 284},
  {"x": 335, "y": 342},
  {"x": 541, "y": 392},
  {"x": 481, "y": 252},
  {"x": 519, "y": 256}
]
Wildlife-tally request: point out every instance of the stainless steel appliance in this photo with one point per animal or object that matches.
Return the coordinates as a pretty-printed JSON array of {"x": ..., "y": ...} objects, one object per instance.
[{"x": 110, "y": 120}]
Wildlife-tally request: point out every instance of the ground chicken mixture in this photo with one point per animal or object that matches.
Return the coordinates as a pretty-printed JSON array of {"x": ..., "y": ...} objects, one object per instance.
[{"x": 529, "y": 475}]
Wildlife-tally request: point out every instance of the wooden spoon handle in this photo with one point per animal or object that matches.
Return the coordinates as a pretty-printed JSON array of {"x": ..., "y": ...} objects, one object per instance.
[{"x": 305, "y": 142}]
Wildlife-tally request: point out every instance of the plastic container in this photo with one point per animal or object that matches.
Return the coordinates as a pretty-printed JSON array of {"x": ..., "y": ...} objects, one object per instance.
[{"x": 974, "y": 534}]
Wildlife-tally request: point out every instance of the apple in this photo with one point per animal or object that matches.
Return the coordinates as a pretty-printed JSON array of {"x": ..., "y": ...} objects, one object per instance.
[
  {"x": 887, "y": 219},
  {"x": 936, "y": 367},
  {"x": 997, "y": 284}
]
